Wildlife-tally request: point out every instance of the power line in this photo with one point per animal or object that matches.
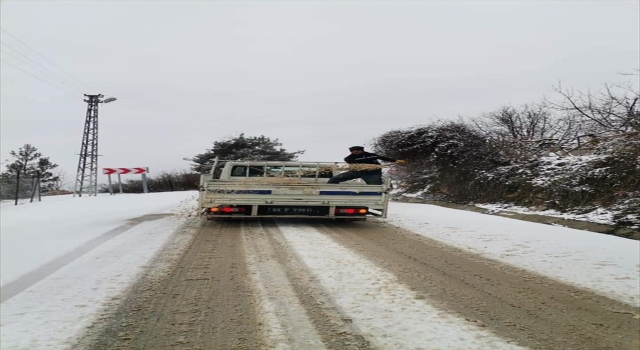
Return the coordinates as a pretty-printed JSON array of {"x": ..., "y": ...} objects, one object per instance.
[
  {"x": 48, "y": 73},
  {"x": 187, "y": 115},
  {"x": 155, "y": 104},
  {"x": 207, "y": 114},
  {"x": 159, "y": 104},
  {"x": 38, "y": 63},
  {"x": 174, "y": 108},
  {"x": 35, "y": 76},
  {"x": 327, "y": 128},
  {"x": 39, "y": 54},
  {"x": 239, "y": 121}
]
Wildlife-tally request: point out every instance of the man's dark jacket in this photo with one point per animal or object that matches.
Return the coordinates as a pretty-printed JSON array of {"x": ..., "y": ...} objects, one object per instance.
[{"x": 367, "y": 158}]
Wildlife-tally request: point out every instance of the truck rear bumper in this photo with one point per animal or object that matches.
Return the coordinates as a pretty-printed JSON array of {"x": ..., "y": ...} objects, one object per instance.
[
  {"x": 246, "y": 217},
  {"x": 287, "y": 211},
  {"x": 240, "y": 218}
]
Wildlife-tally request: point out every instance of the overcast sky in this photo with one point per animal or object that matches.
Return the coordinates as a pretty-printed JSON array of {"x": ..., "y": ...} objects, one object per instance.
[{"x": 320, "y": 76}]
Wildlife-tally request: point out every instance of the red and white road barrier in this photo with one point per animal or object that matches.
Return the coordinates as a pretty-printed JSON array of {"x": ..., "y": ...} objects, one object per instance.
[
  {"x": 123, "y": 171},
  {"x": 135, "y": 171}
]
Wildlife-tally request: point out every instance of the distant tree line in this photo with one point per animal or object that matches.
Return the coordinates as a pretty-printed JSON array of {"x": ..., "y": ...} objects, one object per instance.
[
  {"x": 164, "y": 182},
  {"x": 522, "y": 155}
]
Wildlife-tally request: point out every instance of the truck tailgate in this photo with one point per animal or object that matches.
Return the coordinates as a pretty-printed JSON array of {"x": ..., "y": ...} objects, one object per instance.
[{"x": 234, "y": 192}]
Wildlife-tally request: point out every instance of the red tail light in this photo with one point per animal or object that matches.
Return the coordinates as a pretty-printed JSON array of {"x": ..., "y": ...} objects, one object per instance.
[
  {"x": 351, "y": 211},
  {"x": 227, "y": 210}
]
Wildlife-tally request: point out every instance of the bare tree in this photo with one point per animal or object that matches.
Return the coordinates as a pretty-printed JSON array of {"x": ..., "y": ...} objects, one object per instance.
[
  {"x": 62, "y": 181},
  {"x": 528, "y": 130},
  {"x": 529, "y": 122},
  {"x": 611, "y": 110}
]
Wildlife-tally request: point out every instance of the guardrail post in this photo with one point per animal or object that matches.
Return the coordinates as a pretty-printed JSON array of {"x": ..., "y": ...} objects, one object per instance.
[
  {"x": 110, "y": 185},
  {"x": 120, "y": 184},
  {"x": 145, "y": 188}
]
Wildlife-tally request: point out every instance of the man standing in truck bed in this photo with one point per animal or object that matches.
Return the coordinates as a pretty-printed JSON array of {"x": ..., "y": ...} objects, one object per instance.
[{"x": 365, "y": 166}]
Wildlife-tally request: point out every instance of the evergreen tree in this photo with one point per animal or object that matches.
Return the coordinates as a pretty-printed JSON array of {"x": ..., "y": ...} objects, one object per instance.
[
  {"x": 28, "y": 162},
  {"x": 243, "y": 148}
]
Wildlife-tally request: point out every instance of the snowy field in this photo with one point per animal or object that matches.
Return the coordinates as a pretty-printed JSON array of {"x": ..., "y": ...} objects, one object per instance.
[{"x": 64, "y": 258}]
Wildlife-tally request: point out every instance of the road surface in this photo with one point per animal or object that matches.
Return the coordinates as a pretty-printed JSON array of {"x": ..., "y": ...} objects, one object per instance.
[{"x": 305, "y": 284}]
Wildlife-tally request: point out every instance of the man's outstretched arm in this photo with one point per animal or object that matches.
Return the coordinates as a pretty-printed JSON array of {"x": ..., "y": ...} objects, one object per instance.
[{"x": 386, "y": 159}]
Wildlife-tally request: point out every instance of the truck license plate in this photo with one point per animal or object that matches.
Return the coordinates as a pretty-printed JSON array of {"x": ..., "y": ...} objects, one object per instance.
[{"x": 293, "y": 210}]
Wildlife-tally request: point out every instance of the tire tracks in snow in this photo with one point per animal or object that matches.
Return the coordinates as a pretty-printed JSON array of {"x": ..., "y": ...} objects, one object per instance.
[
  {"x": 236, "y": 285},
  {"x": 18, "y": 286},
  {"x": 387, "y": 312},
  {"x": 535, "y": 311},
  {"x": 305, "y": 284},
  {"x": 202, "y": 301},
  {"x": 301, "y": 315}
]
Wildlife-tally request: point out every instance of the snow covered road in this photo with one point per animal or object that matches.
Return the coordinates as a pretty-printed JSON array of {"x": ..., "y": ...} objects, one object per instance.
[
  {"x": 305, "y": 284},
  {"x": 427, "y": 278}
]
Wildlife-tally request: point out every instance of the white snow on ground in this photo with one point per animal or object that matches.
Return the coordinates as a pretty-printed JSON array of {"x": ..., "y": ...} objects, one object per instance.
[
  {"x": 33, "y": 234},
  {"x": 605, "y": 264},
  {"x": 60, "y": 306},
  {"x": 599, "y": 216},
  {"x": 372, "y": 297},
  {"x": 52, "y": 313}
]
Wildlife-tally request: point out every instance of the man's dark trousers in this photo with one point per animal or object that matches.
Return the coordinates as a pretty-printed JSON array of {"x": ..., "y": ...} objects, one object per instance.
[{"x": 370, "y": 177}]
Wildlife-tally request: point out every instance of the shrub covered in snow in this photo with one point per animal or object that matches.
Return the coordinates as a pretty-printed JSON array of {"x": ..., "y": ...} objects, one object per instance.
[
  {"x": 454, "y": 162},
  {"x": 443, "y": 158},
  {"x": 503, "y": 156},
  {"x": 609, "y": 178}
]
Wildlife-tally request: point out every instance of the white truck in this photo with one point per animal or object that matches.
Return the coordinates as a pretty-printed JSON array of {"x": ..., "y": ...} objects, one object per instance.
[{"x": 249, "y": 189}]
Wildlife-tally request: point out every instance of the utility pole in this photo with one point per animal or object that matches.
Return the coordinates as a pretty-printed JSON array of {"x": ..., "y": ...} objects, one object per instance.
[{"x": 87, "y": 174}]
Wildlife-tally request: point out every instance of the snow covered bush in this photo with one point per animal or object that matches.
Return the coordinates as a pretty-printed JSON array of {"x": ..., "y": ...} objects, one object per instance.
[
  {"x": 608, "y": 178},
  {"x": 452, "y": 161},
  {"x": 444, "y": 157},
  {"x": 504, "y": 156}
]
